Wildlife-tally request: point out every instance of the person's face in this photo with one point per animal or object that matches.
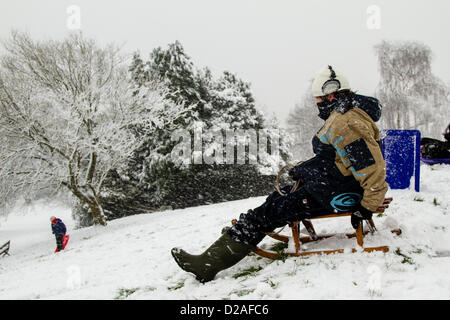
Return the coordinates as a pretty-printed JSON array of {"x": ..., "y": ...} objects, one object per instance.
[{"x": 325, "y": 106}]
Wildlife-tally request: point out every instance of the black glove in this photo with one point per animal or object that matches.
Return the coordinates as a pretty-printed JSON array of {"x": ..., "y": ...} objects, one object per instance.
[
  {"x": 293, "y": 173},
  {"x": 359, "y": 214}
]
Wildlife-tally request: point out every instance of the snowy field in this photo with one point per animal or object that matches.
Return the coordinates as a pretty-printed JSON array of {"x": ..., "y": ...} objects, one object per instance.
[{"x": 130, "y": 258}]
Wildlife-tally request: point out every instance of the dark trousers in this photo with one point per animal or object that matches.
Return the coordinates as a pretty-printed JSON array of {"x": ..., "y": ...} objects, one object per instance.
[
  {"x": 59, "y": 241},
  {"x": 275, "y": 212}
]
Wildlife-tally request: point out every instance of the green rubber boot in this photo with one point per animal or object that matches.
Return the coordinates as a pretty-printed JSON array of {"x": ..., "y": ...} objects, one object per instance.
[{"x": 222, "y": 254}]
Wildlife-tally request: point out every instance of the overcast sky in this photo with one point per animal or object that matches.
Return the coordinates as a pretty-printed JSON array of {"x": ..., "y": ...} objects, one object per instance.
[{"x": 277, "y": 46}]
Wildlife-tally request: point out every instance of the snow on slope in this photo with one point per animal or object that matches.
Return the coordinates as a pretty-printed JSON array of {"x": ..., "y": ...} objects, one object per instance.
[{"x": 130, "y": 258}]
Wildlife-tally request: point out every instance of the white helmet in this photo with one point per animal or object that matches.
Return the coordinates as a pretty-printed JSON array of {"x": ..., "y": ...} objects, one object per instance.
[{"x": 329, "y": 80}]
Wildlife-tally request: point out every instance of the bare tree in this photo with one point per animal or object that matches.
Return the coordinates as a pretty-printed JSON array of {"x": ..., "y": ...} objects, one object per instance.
[
  {"x": 302, "y": 124},
  {"x": 412, "y": 97},
  {"x": 68, "y": 115}
]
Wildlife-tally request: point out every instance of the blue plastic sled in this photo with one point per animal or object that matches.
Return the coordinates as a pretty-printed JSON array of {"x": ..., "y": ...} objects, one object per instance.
[
  {"x": 435, "y": 161},
  {"x": 401, "y": 152}
]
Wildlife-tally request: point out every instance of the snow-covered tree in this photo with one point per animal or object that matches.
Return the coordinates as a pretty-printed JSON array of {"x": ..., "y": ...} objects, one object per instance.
[
  {"x": 302, "y": 124},
  {"x": 175, "y": 68},
  {"x": 233, "y": 103},
  {"x": 217, "y": 105},
  {"x": 234, "y": 108},
  {"x": 139, "y": 74},
  {"x": 412, "y": 97},
  {"x": 69, "y": 114}
]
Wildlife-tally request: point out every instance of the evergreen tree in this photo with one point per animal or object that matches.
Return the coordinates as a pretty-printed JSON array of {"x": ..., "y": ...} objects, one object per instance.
[
  {"x": 175, "y": 68},
  {"x": 234, "y": 103},
  {"x": 139, "y": 74},
  {"x": 153, "y": 181}
]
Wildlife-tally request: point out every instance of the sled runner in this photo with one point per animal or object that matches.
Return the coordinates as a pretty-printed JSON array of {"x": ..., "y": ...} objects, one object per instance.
[
  {"x": 435, "y": 161},
  {"x": 65, "y": 240},
  {"x": 313, "y": 236},
  {"x": 4, "y": 249}
]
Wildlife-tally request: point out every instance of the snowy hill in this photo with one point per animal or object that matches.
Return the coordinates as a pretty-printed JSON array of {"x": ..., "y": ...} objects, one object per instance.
[{"x": 130, "y": 258}]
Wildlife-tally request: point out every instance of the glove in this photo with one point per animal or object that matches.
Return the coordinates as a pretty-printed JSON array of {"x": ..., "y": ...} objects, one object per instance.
[
  {"x": 293, "y": 173},
  {"x": 359, "y": 214}
]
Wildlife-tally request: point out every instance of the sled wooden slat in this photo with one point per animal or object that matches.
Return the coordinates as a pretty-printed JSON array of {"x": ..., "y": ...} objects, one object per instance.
[
  {"x": 4, "y": 249},
  {"x": 306, "y": 239},
  {"x": 274, "y": 255},
  {"x": 313, "y": 236}
]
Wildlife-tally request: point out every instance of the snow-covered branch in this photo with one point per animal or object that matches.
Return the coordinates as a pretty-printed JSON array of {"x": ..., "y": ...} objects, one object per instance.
[{"x": 68, "y": 115}]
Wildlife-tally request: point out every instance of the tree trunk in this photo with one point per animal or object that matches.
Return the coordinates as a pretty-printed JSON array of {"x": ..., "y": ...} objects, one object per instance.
[
  {"x": 97, "y": 213},
  {"x": 94, "y": 206}
]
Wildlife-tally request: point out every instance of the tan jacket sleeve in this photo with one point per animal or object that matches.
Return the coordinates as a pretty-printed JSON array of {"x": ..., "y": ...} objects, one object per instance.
[{"x": 359, "y": 152}]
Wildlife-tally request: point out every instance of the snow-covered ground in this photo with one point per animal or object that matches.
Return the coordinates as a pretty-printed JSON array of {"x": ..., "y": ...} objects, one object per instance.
[{"x": 130, "y": 258}]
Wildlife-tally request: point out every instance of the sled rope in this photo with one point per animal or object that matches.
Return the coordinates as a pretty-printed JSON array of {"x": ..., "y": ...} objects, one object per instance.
[
  {"x": 277, "y": 183},
  {"x": 277, "y": 186}
]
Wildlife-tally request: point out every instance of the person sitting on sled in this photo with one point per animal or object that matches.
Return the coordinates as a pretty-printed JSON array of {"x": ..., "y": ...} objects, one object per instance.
[
  {"x": 346, "y": 174},
  {"x": 59, "y": 230}
]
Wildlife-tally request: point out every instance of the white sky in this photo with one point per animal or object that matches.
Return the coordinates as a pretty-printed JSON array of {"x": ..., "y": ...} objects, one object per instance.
[{"x": 276, "y": 45}]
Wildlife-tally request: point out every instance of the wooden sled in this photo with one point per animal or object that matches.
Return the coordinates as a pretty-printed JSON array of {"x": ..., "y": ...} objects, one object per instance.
[
  {"x": 313, "y": 236},
  {"x": 4, "y": 249}
]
